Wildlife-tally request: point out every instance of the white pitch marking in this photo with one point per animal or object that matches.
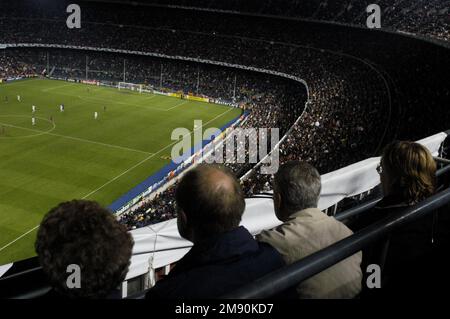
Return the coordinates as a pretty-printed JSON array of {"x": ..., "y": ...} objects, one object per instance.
[{"x": 75, "y": 138}]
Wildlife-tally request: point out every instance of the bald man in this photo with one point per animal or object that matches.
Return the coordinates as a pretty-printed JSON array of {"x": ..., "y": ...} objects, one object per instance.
[{"x": 225, "y": 256}]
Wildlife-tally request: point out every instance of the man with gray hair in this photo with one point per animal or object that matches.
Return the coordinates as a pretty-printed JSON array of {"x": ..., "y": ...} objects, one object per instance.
[{"x": 306, "y": 230}]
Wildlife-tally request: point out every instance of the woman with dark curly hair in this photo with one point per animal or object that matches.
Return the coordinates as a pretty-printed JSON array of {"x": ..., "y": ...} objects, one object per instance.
[{"x": 83, "y": 250}]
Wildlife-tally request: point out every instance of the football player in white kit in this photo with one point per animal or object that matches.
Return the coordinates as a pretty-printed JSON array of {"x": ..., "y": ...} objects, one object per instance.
[
  {"x": 33, "y": 121},
  {"x": 95, "y": 115},
  {"x": 33, "y": 108},
  {"x": 18, "y": 98}
]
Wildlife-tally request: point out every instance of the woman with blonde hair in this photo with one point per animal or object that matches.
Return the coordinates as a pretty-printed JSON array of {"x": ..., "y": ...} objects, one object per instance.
[
  {"x": 408, "y": 175},
  {"x": 407, "y": 172}
]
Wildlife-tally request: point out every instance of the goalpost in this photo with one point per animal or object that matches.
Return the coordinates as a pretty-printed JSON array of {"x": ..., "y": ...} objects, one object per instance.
[{"x": 130, "y": 86}]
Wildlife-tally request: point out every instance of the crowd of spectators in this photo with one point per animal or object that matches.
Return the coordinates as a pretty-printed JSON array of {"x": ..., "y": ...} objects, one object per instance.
[
  {"x": 11, "y": 66},
  {"x": 349, "y": 106},
  {"x": 423, "y": 17},
  {"x": 152, "y": 211}
]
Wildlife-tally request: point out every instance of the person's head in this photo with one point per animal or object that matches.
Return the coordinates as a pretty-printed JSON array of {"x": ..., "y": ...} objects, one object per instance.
[
  {"x": 210, "y": 201},
  {"x": 296, "y": 187},
  {"x": 84, "y": 234},
  {"x": 408, "y": 170}
]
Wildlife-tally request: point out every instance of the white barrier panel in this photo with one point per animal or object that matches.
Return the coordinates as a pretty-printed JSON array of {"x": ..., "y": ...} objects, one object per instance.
[
  {"x": 433, "y": 142},
  {"x": 4, "y": 269}
]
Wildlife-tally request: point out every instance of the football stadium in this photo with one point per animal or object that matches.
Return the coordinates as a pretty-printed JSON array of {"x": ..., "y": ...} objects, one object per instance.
[{"x": 209, "y": 149}]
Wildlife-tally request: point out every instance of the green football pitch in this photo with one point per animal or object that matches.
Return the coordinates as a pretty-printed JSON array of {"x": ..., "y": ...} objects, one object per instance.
[{"x": 68, "y": 155}]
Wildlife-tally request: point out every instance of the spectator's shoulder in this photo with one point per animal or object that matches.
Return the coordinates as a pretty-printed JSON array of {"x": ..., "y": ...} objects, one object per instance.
[
  {"x": 164, "y": 289},
  {"x": 152, "y": 294},
  {"x": 275, "y": 237},
  {"x": 344, "y": 229}
]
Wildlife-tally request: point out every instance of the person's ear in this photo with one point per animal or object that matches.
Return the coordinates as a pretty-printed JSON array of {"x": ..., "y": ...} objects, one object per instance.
[
  {"x": 181, "y": 222},
  {"x": 184, "y": 228},
  {"x": 183, "y": 216},
  {"x": 277, "y": 205},
  {"x": 277, "y": 199}
]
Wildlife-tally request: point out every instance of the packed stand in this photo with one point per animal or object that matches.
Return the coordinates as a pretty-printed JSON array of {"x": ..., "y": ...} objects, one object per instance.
[{"x": 330, "y": 133}]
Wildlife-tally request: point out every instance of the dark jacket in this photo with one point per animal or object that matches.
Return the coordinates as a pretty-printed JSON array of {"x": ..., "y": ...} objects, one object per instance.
[
  {"x": 403, "y": 254},
  {"x": 218, "y": 266},
  {"x": 53, "y": 294}
]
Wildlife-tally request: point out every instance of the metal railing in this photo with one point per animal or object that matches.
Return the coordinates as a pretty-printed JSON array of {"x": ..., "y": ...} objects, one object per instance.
[{"x": 311, "y": 265}]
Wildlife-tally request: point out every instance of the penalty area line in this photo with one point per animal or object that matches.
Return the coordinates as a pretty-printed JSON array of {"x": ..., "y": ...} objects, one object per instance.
[{"x": 75, "y": 138}]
